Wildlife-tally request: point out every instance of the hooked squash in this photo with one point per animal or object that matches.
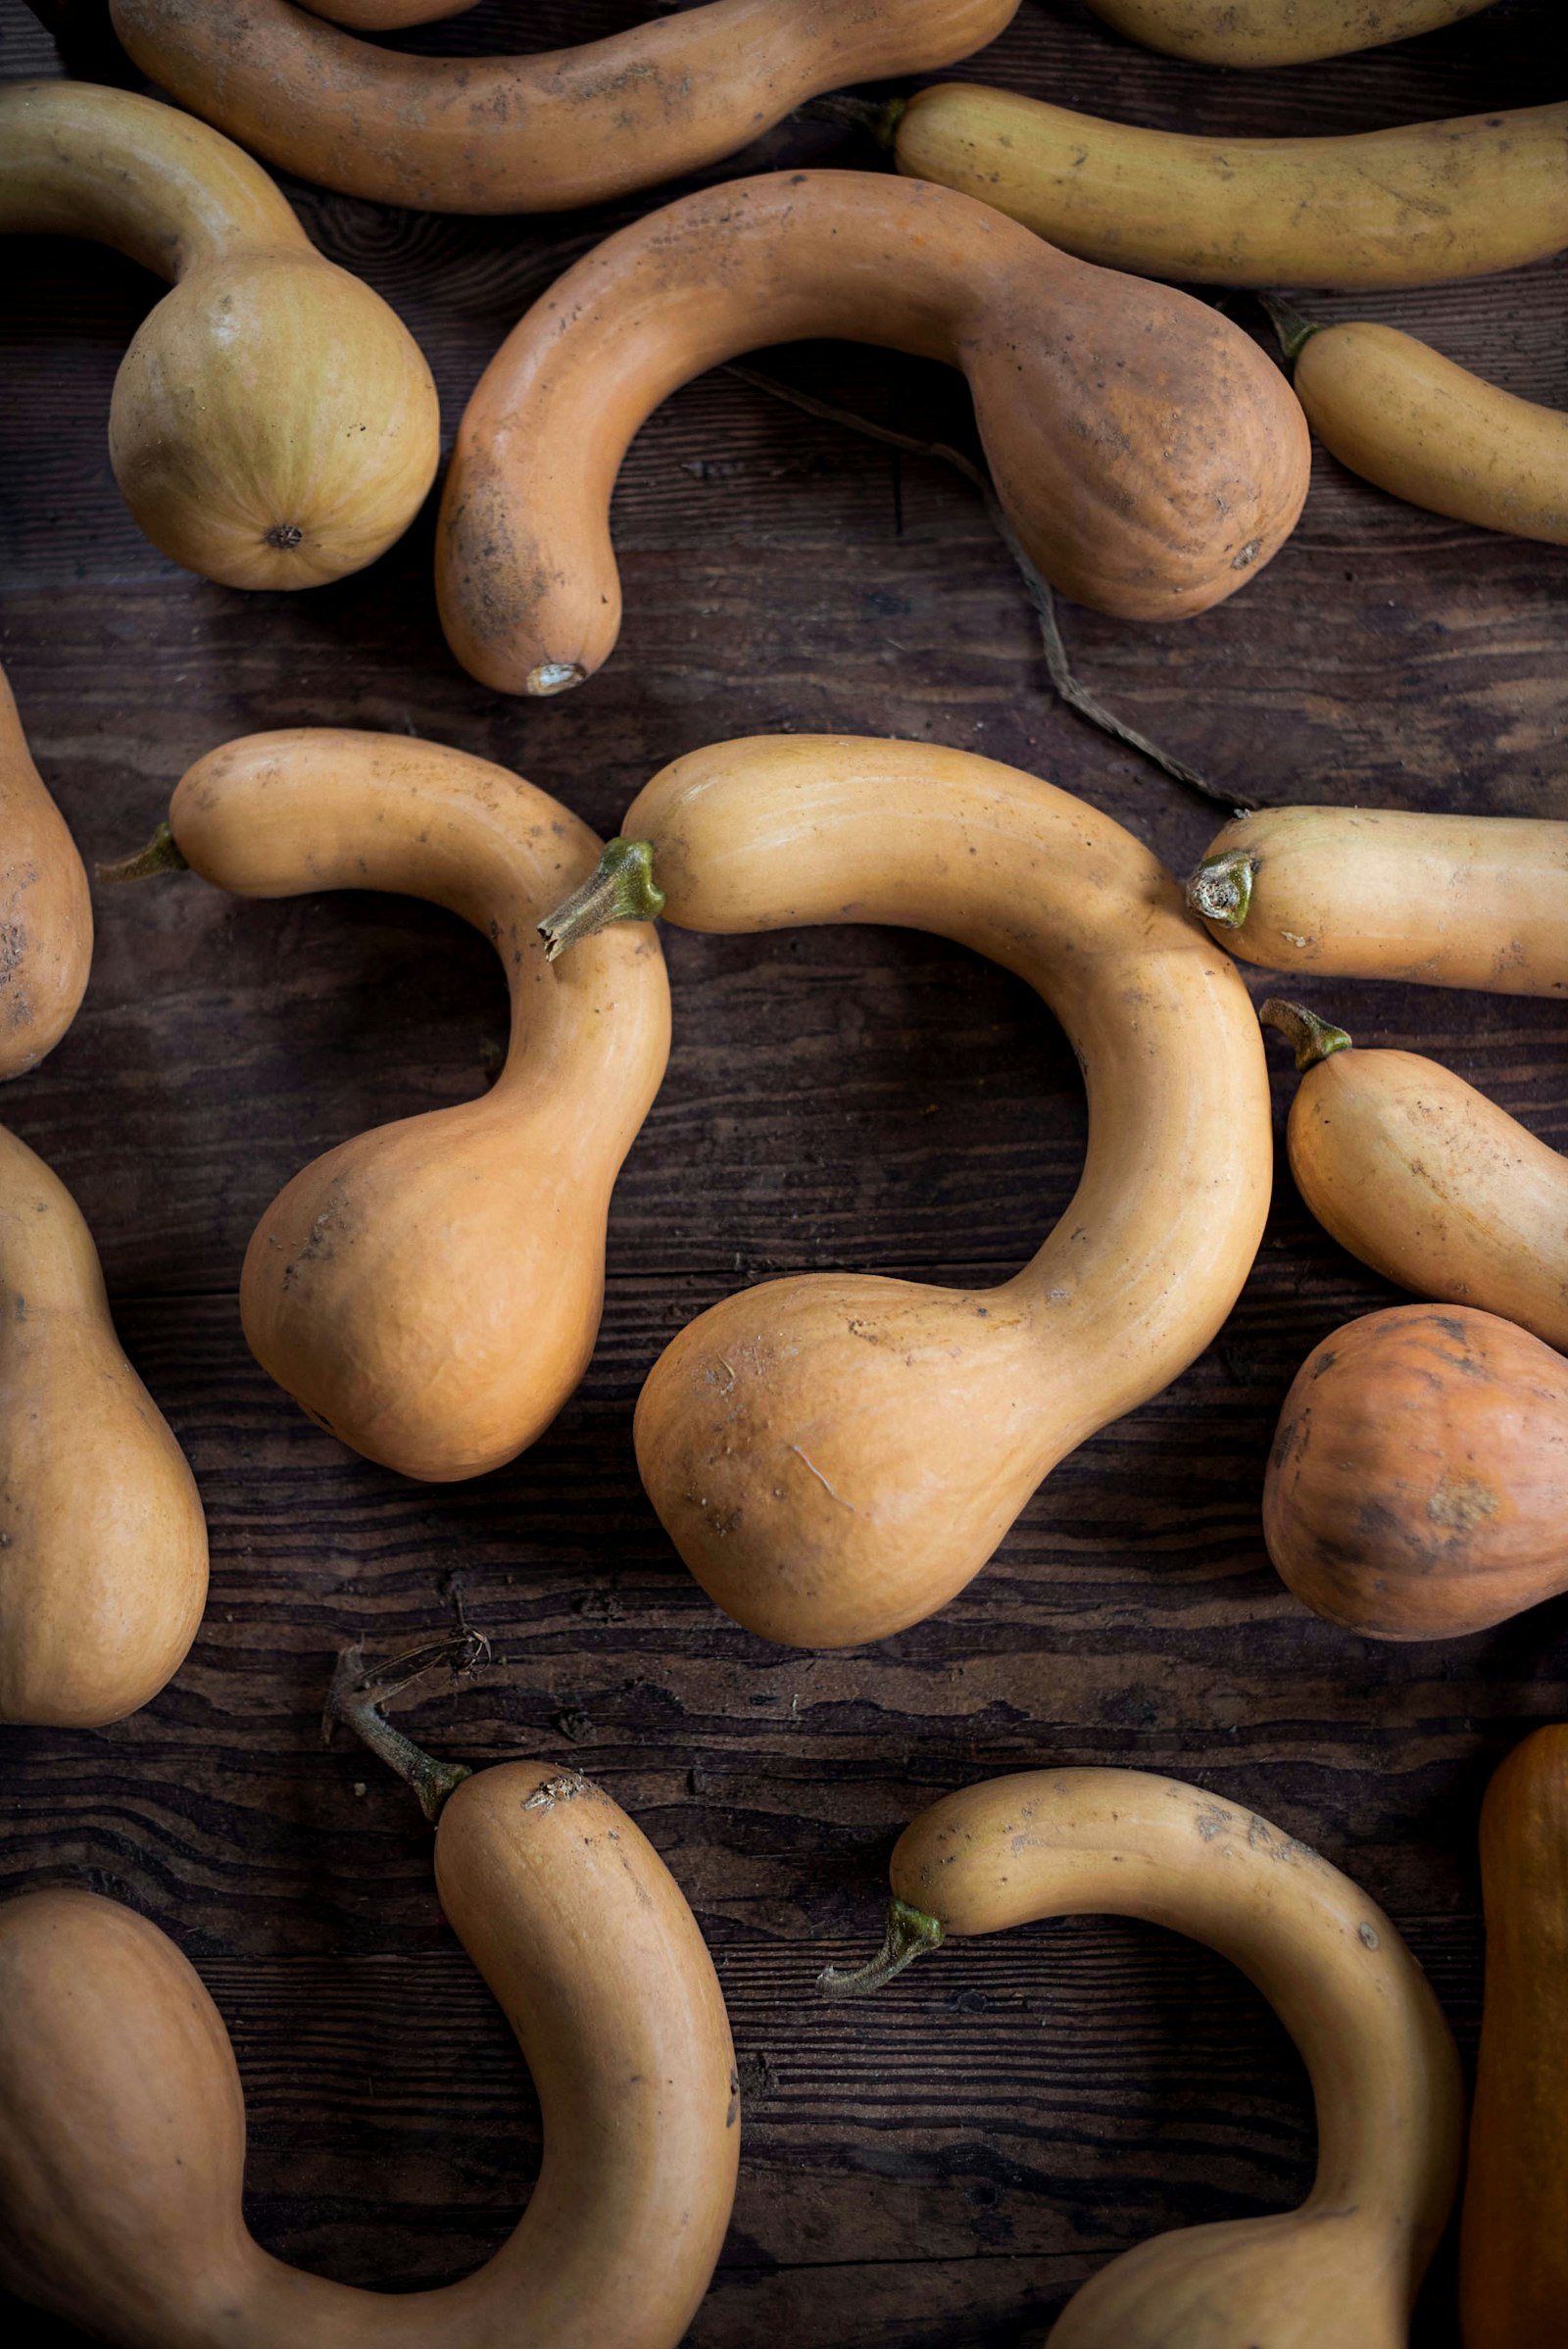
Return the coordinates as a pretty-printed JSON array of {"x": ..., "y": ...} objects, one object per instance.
[
  {"x": 274, "y": 423},
  {"x": 103, "y": 1544},
  {"x": 45, "y": 908},
  {"x": 537, "y": 134},
  {"x": 1418, "y": 1484},
  {"x": 836, "y": 1456},
  {"x": 1346, "y": 2266},
  {"x": 123, "y": 2120},
  {"x": 1148, "y": 455},
  {"x": 430, "y": 1291}
]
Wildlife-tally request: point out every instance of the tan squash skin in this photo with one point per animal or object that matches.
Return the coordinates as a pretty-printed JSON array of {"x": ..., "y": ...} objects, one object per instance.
[
  {"x": 1148, "y": 455},
  {"x": 537, "y": 134},
  {"x": 1433, "y": 1185},
  {"x": 1399, "y": 414},
  {"x": 430, "y": 1291},
  {"x": 45, "y": 908},
  {"x": 274, "y": 423},
  {"x": 1513, "y": 2245},
  {"x": 103, "y": 1544},
  {"x": 1344, "y": 2268},
  {"x": 1418, "y": 1485},
  {"x": 122, "y": 2142},
  {"x": 836, "y": 1456},
  {"x": 1267, "y": 33},
  {"x": 1413, "y": 205},
  {"x": 1376, "y": 893},
  {"x": 385, "y": 16}
]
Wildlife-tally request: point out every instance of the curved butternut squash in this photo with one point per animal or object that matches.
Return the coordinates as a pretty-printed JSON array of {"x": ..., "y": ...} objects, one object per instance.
[
  {"x": 1402, "y": 415},
  {"x": 1513, "y": 2249},
  {"x": 1346, "y": 2266},
  {"x": 1413, "y": 205},
  {"x": 385, "y": 16},
  {"x": 1418, "y": 1484},
  {"x": 123, "y": 2121},
  {"x": 529, "y": 133},
  {"x": 1264, "y": 33},
  {"x": 274, "y": 423},
  {"x": 1150, "y": 458},
  {"x": 430, "y": 1291},
  {"x": 103, "y": 1544},
  {"x": 836, "y": 1456},
  {"x": 45, "y": 908},
  {"x": 1426, "y": 1180},
  {"x": 1376, "y": 893}
]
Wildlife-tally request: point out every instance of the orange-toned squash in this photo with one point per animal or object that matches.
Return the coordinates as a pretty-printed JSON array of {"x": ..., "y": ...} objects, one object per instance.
[
  {"x": 103, "y": 1544},
  {"x": 836, "y": 1456},
  {"x": 430, "y": 1291},
  {"x": 45, "y": 908},
  {"x": 1426, "y": 1180},
  {"x": 1418, "y": 1484},
  {"x": 274, "y": 423},
  {"x": 1150, "y": 458},
  {"x": 1260, "y": 32},
  {"x": 1380, "y": 893},
  {"x": 1513, "y": 2242},
  {"x": 527, "y": 133},
  {"x": 123, "y": 2120},
  {"x": 1341, "y": 2272}
]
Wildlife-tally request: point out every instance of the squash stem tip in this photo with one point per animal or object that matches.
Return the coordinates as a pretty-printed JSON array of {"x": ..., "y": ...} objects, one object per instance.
[
  {"x": 910, "y": 1933},
  {"x": 620, "y": 888},
  {"x": 1311, "y": 1038},
  {"x": 553, "y": 677},
  {"x": 1221, "y": 889},
  {"x": 161, "y": 854},
  {"x": 1292, "y": 330},
  {"x": 356, "y": 1698}
]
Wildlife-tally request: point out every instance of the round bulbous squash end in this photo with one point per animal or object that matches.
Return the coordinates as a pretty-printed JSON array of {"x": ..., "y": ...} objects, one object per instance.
[
  {"x": 910, "y": 1933},
  {"x": 274, "y": 423}
]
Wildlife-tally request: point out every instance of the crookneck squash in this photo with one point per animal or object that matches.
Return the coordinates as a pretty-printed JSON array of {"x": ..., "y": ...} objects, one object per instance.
[
  {"x": 836, "y": 1456},
  {"x": 1344, "y": 2268}
]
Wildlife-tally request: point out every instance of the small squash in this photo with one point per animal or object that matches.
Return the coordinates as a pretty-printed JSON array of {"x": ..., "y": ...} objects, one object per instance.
[
  {"x": 1260, "y": 32},
  {"x": 45, "y": 908},
  {"x": 1376, "y": 893},
  {"x": 1413, "y": 205},
  {"x": 123, "y": 2120},
  {"x": 1423, "y": 1179},
  {"x": 103, "y": 1544},
  {"x": 1513, "y": 2243},
  {"x": 430, "y": 1291},
  {"x": 836, "y": 1456},
  {"x": 274, "y": 423},
  {"x": 1418, "y": 1484},
  {"x": 1402, "y": 415},
  {"x": 539, "y": 133},
  {"x": 1346, "y": 2266},
  {"x": 1148, "y": 455}
]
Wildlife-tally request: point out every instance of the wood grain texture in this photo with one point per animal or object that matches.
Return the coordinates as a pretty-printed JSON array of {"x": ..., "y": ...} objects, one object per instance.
[{"x": 945, "y": 2165}]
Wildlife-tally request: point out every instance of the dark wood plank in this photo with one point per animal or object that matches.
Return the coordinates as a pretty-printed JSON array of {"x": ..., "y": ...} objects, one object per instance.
[{"x": 946, "y": 2165}]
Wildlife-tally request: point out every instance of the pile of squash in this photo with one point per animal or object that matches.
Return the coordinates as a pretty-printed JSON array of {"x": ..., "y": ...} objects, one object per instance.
[{"x": 274, "y": 426}]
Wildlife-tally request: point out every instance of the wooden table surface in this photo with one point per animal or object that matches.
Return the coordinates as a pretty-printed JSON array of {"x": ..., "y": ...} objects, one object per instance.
[{"x": 945, "y": 2165}]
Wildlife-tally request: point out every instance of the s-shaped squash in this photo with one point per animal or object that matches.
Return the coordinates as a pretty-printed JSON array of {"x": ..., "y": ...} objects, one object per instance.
[
  {"x": 123, "y": 2119},
  {"x": 45, "y": 908},
  {"x": 430, "y": 1291},
  {"x": 1377, "y": 893},
  {"x": 103, "y": 1544},
  {"x": 274, "y": 423},
  {"x": 1344, "y": 2268},
  {"x": 1513, "y": 2246},
  {"x": 528, "y": 133},
  {"x": 1417, "y": 204},
  {"x": 1149, "y": 457},
  {"x": 835, "y": 1456},
  {"x": 1426, "y": 1180},
  {"x": 1256, "y": 32}
]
